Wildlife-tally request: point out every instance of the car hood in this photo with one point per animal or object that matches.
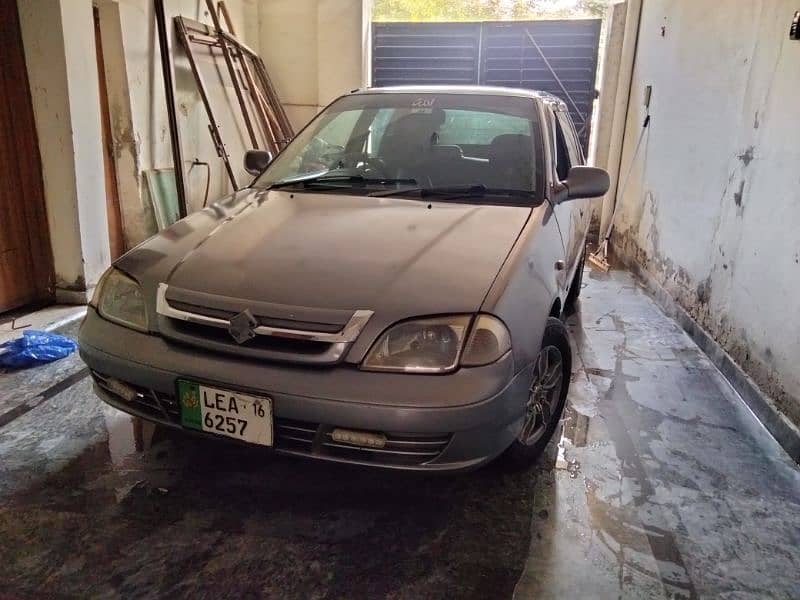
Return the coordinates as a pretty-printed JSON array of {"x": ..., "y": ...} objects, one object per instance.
[{"x": 397, "y": 257}]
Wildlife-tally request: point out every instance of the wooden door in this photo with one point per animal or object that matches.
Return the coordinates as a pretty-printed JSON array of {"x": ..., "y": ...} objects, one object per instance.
[{"x": 26, "y": 263}]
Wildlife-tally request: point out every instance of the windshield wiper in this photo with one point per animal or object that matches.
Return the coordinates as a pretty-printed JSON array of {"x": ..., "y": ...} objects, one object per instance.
[
  {"x": 452, "y": 192},
  {"x": 334, "y": 179}
]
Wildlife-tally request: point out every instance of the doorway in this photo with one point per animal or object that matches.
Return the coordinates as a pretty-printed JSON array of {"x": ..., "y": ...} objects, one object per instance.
[{"x": 26, "y": 262}]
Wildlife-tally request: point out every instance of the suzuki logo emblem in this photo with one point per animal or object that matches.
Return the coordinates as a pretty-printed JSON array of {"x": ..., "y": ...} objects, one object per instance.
[{"x": 242, "y": 326}]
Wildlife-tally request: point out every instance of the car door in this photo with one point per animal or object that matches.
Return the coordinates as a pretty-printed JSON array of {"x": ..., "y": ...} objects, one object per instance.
[
  {"x": 580, "y": 208},
  {"x": 570, "y": 215}
]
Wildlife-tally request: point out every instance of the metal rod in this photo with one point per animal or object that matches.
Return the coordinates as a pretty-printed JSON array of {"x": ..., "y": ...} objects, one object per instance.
[
  {"x": 261, "y": 76},
  {"x": 269, "y": 88},
  {"x": 196, "y": 39},
  {"x": 272, "y": 120},
  {"x": 232, "y": 71},
  {"x": 553, "y": 73},
  {"x": 258, "y": 100},
  {"x": 212, "y": 123},
  {"x": 169, "y": 93},
  {"x": 261, "y": 108},
  {"x": 272, "y": 96}
]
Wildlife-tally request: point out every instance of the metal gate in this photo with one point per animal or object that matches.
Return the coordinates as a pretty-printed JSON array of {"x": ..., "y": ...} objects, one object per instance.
[{"x": 559, "y": 57}]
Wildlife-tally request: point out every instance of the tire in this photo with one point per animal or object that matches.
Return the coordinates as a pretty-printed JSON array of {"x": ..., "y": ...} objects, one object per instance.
[
  {"x": 577, "y": 283},
  {"x": 532, "y": 439}
]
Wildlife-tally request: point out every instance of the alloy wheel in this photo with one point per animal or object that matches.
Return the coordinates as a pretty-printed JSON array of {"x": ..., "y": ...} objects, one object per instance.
[{"x": 544, "y": 395}]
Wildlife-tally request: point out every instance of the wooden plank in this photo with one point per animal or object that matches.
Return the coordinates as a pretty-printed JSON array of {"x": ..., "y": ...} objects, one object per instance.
[{"x": 115, "y": 235}]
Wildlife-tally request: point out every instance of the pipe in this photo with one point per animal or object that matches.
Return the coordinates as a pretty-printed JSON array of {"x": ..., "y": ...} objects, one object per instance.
[{"x": 169, "y": 93}]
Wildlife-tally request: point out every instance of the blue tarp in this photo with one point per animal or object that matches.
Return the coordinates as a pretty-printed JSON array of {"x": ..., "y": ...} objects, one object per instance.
[{"x": 35, "y": 348}]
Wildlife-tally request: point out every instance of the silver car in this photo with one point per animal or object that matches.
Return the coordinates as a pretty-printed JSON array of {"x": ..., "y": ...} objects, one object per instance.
[{"x": 386, "y": 292}]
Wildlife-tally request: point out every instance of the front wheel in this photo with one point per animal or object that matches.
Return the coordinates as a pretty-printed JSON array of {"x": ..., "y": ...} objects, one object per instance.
[{"x": 546, "y": 396}]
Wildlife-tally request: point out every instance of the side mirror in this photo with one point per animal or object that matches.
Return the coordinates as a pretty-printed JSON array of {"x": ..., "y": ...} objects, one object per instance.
[
  {"x": 255, "y": 161},
  {"x": 586, "y": 182}
]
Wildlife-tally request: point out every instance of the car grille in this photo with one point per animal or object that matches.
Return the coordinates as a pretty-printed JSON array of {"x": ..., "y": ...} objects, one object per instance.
[
  {"x": 260, "y": 347},
  {"x": 293, "y": 436},
  {"x": 291, "y": 334},
  {"x": 213, "y": 337},
  {"x": 227, "y": 314}
]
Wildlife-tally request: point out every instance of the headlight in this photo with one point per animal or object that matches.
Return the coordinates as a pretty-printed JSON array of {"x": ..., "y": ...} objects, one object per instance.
[
  {"x": 119, "y": 298},
  {"x": 424, "y": 346},
  {"x": 488, "y": 341},
  {"x": 437, "y": 345}
]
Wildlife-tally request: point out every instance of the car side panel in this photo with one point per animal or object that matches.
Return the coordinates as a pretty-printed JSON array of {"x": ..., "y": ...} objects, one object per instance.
[
  {"x": 527, "y": 285},
  {"x": 580, "y": 210}
]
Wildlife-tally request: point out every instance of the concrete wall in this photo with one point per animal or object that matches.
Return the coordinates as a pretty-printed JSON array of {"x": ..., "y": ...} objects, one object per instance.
[
  {"x": 712, "y": 210},
  {"x": 58, "y": 38},
  {"x": 315, "y": 50}
]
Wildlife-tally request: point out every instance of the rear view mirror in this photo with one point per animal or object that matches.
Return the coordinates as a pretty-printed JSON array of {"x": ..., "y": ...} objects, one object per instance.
[
  {"x": 586, "y": 182},
  {"x": 255, "y": 161}
]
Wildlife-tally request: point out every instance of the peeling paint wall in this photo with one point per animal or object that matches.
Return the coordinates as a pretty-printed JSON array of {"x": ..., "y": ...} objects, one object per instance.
[{"x": 712, "y": 209}]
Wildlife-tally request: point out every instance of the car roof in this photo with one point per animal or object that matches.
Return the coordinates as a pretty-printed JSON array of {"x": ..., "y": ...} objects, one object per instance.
[{"x": 479, "y": 90}]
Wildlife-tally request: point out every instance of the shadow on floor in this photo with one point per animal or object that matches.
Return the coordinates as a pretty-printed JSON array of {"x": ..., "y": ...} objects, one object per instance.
[{"x": 155, "y": 511}]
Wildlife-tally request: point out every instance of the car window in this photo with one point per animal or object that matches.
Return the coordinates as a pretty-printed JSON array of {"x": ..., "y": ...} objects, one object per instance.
[
  {"x": 573, "y": 147},
  {"x": 563, "y": 159},
  {"x": 424, "y": 139},
  {"x": 383, "y": 117},
  {"x": 338, "y": 131},
  {"x": 467, "y": 127},
  {"x": 328, "y": 141}
]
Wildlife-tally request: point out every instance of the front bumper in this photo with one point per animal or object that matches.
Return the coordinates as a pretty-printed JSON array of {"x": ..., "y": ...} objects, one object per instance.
[{"x": 432, "y": 423}]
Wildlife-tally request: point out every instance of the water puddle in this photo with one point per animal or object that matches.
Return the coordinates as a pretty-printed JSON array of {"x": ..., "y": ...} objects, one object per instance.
[
  {"x": 639, "y": 547},
  {"x": 127, "y": 435}
]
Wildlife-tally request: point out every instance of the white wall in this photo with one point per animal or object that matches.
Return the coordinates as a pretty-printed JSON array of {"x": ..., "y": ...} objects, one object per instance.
[
  {"x": 713, "y": 206},
  {"x": 139, "y": 121},
  {"x": 315, "y": 50},
  {"x": 58, "y": 38}
]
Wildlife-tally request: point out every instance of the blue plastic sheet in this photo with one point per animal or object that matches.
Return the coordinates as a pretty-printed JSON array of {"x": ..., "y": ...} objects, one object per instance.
[{"x": 35, "y": 348}]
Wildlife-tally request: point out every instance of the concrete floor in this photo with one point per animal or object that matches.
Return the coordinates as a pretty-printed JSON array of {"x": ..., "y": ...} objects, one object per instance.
[{"x": 663, "y": 485}]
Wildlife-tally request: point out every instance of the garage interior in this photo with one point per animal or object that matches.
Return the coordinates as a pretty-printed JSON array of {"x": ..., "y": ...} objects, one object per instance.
[{"x": 674, "y": 472}]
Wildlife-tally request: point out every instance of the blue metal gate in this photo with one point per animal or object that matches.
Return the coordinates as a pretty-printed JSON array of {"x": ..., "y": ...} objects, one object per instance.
[{"x": 559, "y": 57}]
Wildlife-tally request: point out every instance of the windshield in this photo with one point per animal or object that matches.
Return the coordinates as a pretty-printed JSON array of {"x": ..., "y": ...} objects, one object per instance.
[{"x": 408, "y": 142}]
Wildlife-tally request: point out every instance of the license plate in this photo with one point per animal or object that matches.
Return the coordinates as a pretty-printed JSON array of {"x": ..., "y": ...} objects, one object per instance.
[{"x": 225, "y": 412}]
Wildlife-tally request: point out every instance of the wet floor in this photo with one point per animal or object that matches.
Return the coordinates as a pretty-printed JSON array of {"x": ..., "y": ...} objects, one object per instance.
[{"x": 661, "y": 485}]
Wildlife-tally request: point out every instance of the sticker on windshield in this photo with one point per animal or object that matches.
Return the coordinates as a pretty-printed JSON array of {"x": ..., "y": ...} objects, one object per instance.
[{"x": 423, "y": 105}]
